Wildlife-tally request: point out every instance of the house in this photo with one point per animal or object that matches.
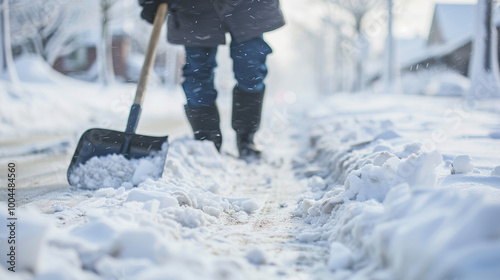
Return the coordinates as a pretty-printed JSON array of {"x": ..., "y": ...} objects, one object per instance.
[
  {"x": 449, "y": 43},
  {"x": 450, "y": 21},
  {"x": 127, "y": 64},
  {"x": 81, "y": 62}
]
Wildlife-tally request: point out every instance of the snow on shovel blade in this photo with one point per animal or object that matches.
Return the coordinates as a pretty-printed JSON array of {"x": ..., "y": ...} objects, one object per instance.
[{"x": 98, "y": 142}]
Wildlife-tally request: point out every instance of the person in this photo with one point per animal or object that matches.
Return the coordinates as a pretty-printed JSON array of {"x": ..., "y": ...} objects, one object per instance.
[{"x": 201, "y": 26}]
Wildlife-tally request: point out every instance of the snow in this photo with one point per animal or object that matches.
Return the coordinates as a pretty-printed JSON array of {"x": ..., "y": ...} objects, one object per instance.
[
  {"x": 384, "y": 201},
  {"x": 496, "y": 171},
  {"x": 113, "y": 171},
  {"x": 462, "y": 164},
  {"x": 453, "y": 20},
  {"x": 342, "y": 259},
  {"x": 352, "y": 186},
  {"x": 141, "y": 228},
  {"x": 256, "y": 257},
  {"x": 377, "y": 198}
]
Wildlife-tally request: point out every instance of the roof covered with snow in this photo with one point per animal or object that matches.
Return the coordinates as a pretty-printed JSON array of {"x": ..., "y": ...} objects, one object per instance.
[{"x": 451, "y": 21}]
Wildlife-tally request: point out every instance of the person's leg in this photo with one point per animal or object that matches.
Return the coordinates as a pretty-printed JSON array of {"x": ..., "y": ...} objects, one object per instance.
[
  {"x": 199, "y": 75},
  {"x": 201, "y": 94},
  {"x": 249, "y": 66}
]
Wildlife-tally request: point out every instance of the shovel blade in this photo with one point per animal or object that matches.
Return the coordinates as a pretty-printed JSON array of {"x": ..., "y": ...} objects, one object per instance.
[{"x": 102, "y": 142}]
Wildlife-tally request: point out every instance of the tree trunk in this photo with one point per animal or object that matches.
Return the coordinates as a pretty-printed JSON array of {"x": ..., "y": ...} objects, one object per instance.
[
  {"x": 38, "y": 44},
  {"x": 360, "y": 54},
  {"x": 483, "y": 69},
  {"x": 7, "y": 62},
  {"x": 104, "y": 50},
  {"x": 390, "y": 65}
]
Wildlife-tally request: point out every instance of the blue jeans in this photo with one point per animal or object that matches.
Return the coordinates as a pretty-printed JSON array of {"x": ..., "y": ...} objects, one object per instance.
[{"x": 249, "y": 67}]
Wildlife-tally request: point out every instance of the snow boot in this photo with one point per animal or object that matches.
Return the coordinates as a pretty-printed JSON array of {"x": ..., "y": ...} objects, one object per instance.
[
  {"x": 205, "y": 122},
  {"x": 247, "y": 112}
]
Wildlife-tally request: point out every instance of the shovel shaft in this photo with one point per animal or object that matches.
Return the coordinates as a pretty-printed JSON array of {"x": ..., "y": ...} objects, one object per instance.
[
  {"x": 161, "y": 13},
  {"x": 135, "y": 110}
]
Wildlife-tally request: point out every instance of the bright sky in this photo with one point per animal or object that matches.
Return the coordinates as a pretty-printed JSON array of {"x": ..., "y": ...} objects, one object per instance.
[{"x": 416, "y": 16}]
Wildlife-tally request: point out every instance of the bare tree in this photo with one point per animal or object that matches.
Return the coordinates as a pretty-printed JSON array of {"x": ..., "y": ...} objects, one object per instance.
[
  {"x": 55, "y": 28},
  {"x": 334, "y": 59},
  {"x": 113, "y": 12},
  {"x": 7, "y": 66},
  {"x": 358, "y": 10},
  {"x": 104, "y": 54},
  {"x": 50, "y": 27}
]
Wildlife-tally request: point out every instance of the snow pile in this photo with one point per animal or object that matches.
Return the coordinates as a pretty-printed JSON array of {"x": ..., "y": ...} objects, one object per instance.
[
  {"x": 376, "y": 201},
  {"x": 113, "y": 171},
  {"x": 46, "y": 101},
  {"x": 34, "y": 69},
  {"x": 147, "y": 232},
  {"x": 435, "y": 82},
  {"x": 342, "y": 259},
  {"x": 39, "y": 110}
]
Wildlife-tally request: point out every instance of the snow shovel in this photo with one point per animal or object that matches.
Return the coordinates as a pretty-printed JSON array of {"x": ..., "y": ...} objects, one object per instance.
[{"x": 98, "y": 142}]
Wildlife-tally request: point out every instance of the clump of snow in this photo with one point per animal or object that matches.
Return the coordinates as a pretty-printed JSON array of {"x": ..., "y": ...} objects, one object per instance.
[
  {"x": 309, "y": 236},
  {"x": 256, "y": 256},
  {"x": 495, "y": 171},
  {"x": 105, "y": 192},
  {"x": 59, "y": 208},
  {"x": 374, "y": 181},
  {"x": 250, "y": 205},
  {"x": 341, "y": 257},
  {"x": 462, "y": 164},
  {"x": 147, "y": 194},
  {"x": 494, "y": 135},
  {"x": 114, "y": 171},
  {"x": 317, "y": 183},
  {"x": 387, "y": 134}
]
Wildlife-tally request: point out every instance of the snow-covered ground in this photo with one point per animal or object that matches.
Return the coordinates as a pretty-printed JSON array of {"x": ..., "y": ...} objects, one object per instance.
[{"x": 352, "y": 187}]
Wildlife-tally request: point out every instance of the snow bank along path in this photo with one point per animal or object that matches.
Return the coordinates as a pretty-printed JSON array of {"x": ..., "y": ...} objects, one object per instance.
[{"x": 391, "y": 208}]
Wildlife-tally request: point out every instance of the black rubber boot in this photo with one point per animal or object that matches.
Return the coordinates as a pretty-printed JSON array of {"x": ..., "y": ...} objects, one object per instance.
[
  {"x": 247, "y": 112},
  {"x": 205, "y": 122}
]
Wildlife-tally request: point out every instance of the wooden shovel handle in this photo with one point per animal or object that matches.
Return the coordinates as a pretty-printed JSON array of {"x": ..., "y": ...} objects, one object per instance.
[{"x": 161, "y": 13}]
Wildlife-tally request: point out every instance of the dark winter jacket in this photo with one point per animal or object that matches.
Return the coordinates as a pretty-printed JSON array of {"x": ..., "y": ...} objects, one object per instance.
[{"x": 205, "y": 22}]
